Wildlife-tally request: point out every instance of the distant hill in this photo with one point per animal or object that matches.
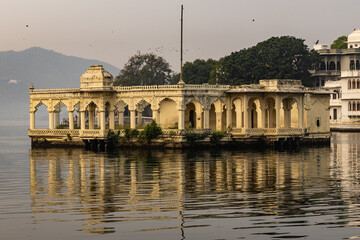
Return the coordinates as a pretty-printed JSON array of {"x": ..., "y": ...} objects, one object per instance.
[{"x": 45, "y": 69}]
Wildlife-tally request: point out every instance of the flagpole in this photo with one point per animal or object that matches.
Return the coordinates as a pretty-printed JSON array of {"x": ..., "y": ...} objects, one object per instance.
[{"x": 181, "y": 48}]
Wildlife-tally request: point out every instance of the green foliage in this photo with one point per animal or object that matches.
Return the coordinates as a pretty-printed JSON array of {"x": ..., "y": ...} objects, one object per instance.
[
  {"x": 112, "y": 138},
  {"x": 192, "y": 137},
  {"x": 174, "y": 127},
  {"x": 145, "y": 69},
  {"x": 127, "y": 135},
  {"x": 199, "y": 71},
  {"x": 69, "y": 136},
  {"x": 278, "y": 57},
  {"x": 134, "y": 133},
  {"x": 217, "y": 136},
  {"x": 151, "y": 131},
  {"x": 62, "y": 126},
  {"x": 339, "y": 43}
]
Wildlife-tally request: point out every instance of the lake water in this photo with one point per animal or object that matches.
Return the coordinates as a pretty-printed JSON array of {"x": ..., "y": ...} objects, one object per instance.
[{"x": 78, "y": 194}]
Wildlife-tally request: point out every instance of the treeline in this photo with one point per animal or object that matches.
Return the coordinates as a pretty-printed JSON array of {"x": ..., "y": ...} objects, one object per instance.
[{"x": 283, "y": 57}]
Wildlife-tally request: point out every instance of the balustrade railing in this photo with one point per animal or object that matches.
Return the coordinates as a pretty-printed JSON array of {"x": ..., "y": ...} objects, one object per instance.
[{"x": 54, "y": 132}]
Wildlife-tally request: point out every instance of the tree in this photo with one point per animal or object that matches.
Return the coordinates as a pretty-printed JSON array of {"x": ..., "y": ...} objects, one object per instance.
[
  {"x": 145, "y": 69},
  {"x": 278, "y": 57},
  {"x": 199, "y": 71},
  {"x": 339, "y": 43}
]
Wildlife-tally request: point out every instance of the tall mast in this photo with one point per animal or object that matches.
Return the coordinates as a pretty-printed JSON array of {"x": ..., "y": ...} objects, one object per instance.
[{"x": 181, "y": 48}]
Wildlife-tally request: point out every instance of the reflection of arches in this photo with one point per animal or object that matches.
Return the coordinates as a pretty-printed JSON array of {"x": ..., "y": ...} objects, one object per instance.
[{"x": 168, "y": 113}]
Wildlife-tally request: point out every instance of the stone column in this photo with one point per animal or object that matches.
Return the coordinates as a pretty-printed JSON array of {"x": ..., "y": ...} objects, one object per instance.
[
  {"x": 218, "y": 121},
  {"x": 111, "y": 119},
  {"x": 246, "y": 113},
  {"x": 238, "y": 118},
  {"x": 32, "y": 119},
  {"x": 206, "y": 118},
  {"x": 301, "y": 113},
  {"x": 181, "y": 124},
  {"x": 287, "y": 116},
  {"x": 51, "y": 120},
  {"x": 91, "y": 119},
  {"x": 229, "y": 113},
  {"x": 198, "y": 118},
  {"x": 132, "y": 119},
  {"x": 278, "y": 109},
  {"x": 139, "y": 118},
  {"x": 121, "y": 118},
  {"x": 71, "y": 119},
  {"x": 56, "y": 118},
  {"x": 155, "y": 115},
  {"x": 262, "y": 117},
  {"x": 82, "y": 120},
  {"x": 102, "y": 120}
]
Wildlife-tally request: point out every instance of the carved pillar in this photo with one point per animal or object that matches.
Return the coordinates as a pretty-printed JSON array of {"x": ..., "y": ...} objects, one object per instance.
[
  {"x": 82, "y": 120},
  {"x": 71, "y": 119},
  {"x": 91, "y": 119},
  {"x": 56, "y": 118},
  {"x": 139, "y": 118},
  {"x": 238, "y": 118},
  {"x": 111, "y": 119},
  {"x": 301, "y": 112},
  {"x": 155, "y": 115},
  {"x": 32, "y": 119},
  {"x": 218, "y": 121},
  {"x": 246, "y": 112},
  {"x": 121, "y": 118},
  {"x": 206, "y": 118},
  {"x": 229, "y": 113},
  {"x": 181, "y": 124},
  {"x": 262, "y": 116},
  {"x": 51, "y": 120},
  {"x": 198, "y": 114},
  {"x": 287, "y": 114},
  {"x": 132, "y": 119},
  {"x": 102, "y": 120},
  {"x": 278, "y": 109}
]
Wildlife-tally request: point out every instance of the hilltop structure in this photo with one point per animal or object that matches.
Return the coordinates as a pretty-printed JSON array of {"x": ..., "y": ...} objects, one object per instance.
[
  {"x": 340, "y": 73},
  {"x": 274, "y": 110}
]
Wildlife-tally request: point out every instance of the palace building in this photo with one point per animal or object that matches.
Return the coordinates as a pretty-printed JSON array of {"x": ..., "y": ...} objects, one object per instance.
[
  {"x": 340, "y": 72},
  {"x": 272, "y": 109}
]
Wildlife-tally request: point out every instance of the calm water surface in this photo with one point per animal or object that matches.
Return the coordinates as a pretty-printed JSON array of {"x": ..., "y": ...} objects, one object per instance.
[{"x": 78, "y": 194}]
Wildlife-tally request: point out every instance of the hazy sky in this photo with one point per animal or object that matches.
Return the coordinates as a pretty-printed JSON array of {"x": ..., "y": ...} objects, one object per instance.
[{"x": 114, "y": 30}]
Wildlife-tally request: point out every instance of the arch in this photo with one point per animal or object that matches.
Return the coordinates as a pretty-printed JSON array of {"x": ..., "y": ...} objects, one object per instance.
[
  {"x": 41, "y": 118},
  {"x": 353, "y": 85},
  {"x": 332, "y": 65},
  {"x": 357, "y": 65},
  {"x": 289, "y": 113},
  {"x": 353, "y": 106},
  {"x": 352, "y": 65},
  {"x": 237, "y": 113},
  {"x": 194, "y": 114},
  {"x": 253, "y": 112},
  {"x": 61, "y": 116},
  {"x": 168, "y": 113},
  {"x": 357, "y": 84},
  {"x": 349, "y": 84},
  {"x": 358, "y": 106},
  {"x": 270, "y": 113},
  {"x": 91, "y": 115},
  {"x": 338, "y": 66},
  {"x": 322, "y": 66},
  {"x": 349, "y": 106},
  {"x": 122, "y": 114},
  {"x": 143, "y": 112}
]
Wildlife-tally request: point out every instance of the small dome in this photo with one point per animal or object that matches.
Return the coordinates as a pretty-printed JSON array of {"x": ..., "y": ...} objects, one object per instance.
[
  {"x": 354, "y": 36},
  {"x": 354, "y": 39}
]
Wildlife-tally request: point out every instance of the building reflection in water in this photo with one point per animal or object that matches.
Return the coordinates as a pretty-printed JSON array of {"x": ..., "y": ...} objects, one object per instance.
[{"x": 174, "y": 190}]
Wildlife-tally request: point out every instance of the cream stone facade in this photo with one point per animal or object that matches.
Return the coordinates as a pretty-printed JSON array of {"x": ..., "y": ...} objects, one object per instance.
[
  {"x": 340, "y": 73},
  {"x": 273, "y": 108}
]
